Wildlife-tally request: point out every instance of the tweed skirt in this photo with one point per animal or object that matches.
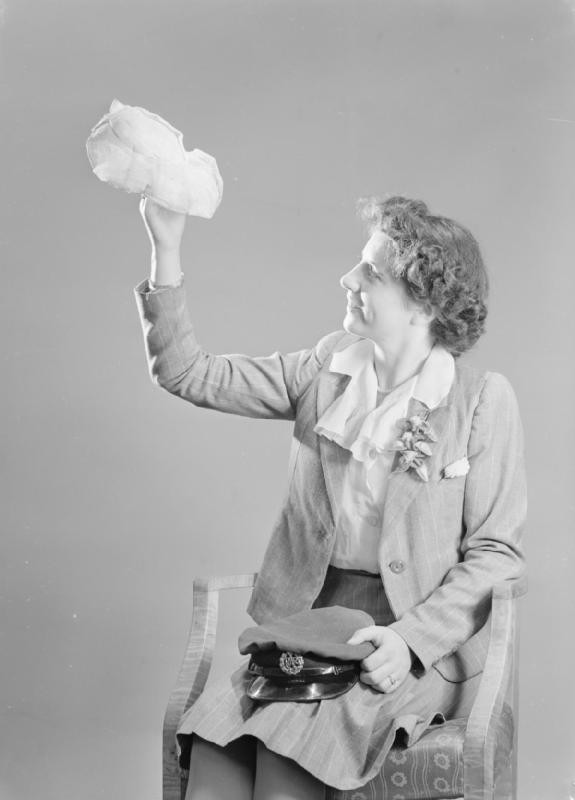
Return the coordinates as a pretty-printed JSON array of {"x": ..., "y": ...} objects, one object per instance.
[{"x": 342, "y": 741}]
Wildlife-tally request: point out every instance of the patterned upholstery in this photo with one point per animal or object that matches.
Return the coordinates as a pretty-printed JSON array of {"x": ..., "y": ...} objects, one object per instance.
[{"x": 430, "y": 770}]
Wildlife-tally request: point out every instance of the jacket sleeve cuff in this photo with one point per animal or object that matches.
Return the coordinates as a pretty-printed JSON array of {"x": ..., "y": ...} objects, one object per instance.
[
  {"x": 421, "y": 660},
  {"x": 148, "y": 286},
  {"x": 154, "y": 304}
]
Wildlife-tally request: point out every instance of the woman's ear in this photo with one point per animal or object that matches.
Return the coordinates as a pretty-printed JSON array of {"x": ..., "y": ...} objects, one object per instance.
[{"x": 423, "y": 315}]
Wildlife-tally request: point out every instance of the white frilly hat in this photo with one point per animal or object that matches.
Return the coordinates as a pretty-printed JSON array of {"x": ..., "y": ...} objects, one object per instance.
[{"x": 135, "y": 150}]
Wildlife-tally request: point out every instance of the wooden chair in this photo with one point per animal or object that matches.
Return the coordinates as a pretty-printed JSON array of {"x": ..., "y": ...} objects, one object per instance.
[{"x": 474, "y": 758}]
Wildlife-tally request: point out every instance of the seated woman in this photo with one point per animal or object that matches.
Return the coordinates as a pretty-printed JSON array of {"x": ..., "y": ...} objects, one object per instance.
[{"x": 406, "y": 499}]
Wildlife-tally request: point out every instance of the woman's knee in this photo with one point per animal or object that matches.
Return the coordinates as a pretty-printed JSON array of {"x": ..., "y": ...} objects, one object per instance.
[
  {"x": 218, "y": 773},
  {"x": 280, "y": 778}
]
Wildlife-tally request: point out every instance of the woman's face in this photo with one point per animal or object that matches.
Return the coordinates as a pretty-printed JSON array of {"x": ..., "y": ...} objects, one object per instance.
[{"x": 378, "y": 305}]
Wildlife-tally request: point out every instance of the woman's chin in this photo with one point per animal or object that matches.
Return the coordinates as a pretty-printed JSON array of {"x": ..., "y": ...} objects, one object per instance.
[{"x": 352, "y": 323}]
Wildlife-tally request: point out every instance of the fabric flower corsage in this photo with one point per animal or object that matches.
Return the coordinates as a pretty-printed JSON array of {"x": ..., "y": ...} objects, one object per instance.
[
  {"x": 457, "y": 468},
  {"x": 413, "y": 446}
]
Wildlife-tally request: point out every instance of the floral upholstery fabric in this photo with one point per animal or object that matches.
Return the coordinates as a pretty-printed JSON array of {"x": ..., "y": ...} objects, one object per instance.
[{"x": 430, "y": 770}]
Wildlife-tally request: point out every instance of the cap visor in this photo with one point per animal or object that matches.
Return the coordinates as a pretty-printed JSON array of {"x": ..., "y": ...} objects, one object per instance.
[{"x": 265, "y": 690}]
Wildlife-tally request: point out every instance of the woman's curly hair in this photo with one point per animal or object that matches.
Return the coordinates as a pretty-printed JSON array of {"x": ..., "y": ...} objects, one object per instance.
[{"x": 440, "y": 264}]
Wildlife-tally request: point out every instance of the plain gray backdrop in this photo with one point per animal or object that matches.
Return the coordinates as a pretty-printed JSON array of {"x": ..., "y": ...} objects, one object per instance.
[{"x": 114, "y": 494}]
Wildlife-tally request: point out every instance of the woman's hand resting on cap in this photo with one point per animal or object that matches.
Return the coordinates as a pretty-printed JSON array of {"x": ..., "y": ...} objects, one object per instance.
[{"x": 389, "y": 665}]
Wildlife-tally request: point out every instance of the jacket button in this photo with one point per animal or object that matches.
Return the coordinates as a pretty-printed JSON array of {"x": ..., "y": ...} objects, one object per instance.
[{"x": 397, "y": 566}]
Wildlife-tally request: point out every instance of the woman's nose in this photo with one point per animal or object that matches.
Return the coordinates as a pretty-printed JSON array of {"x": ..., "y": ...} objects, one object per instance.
[{"x": 350, "y": 281}]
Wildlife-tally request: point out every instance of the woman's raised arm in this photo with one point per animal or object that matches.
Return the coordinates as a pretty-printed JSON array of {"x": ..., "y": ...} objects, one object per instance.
[{"x": 266, "y": 387}]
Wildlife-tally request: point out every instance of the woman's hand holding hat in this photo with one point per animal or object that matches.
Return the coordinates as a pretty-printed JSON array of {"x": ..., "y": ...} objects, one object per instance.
[
  {"x": 165, "y": 227},
  {"x": 389, "y": 665}
]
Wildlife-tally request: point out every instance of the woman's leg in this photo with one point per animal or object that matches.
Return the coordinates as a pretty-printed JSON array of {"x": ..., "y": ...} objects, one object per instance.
[
  {"x": 279, "y": 778},
  {"x": 222, "y": 773}
]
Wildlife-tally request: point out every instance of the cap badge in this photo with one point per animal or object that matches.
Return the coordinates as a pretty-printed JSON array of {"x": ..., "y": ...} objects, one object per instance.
[{"x": 291, "y": 663}]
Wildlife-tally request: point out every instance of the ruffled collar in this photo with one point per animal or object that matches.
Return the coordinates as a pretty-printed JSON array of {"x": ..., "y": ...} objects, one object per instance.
[{"x": 355, "y": 421}]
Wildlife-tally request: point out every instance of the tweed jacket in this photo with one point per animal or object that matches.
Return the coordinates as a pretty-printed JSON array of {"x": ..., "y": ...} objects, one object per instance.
[{"x": 444, "y": 542}]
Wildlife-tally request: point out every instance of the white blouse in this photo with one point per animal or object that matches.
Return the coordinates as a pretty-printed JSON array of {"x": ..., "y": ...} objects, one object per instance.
[{"x": 367, "y": 422}]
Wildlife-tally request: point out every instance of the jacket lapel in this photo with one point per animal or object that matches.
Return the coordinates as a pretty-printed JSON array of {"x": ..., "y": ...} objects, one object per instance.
[
  {"x": 403, "y": 486},
  {"x": 334, "y": 458}
]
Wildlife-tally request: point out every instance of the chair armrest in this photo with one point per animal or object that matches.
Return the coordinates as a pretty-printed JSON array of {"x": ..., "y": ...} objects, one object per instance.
[
  {"x": 481, "y": 733},
  {"x": 195, "y": 668}
]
